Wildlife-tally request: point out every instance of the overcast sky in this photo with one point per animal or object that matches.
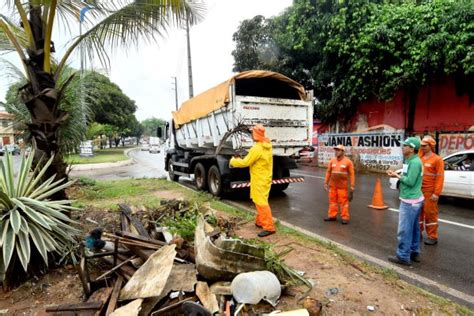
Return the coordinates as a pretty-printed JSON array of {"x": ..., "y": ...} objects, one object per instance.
[{"x": 144, "y": 74}]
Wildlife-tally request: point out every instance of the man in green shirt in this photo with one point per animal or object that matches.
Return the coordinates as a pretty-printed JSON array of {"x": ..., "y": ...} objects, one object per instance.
[{"x": 411, "y": 201}]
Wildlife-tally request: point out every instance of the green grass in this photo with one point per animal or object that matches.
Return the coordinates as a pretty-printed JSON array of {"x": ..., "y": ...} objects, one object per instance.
[{"x": 100, "y": 156}]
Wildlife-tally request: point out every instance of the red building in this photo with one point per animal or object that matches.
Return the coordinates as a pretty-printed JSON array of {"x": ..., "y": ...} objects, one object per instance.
[{"x": 438, "y": 108}]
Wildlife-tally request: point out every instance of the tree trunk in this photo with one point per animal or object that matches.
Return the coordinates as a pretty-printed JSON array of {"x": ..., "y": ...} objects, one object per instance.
[
  {"x": 412, "y": 98},
  {"x": 41, "y": 97}
]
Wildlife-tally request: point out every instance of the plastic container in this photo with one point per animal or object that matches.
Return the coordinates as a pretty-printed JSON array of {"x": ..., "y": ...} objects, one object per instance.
[{"x": 252, "y": 287}]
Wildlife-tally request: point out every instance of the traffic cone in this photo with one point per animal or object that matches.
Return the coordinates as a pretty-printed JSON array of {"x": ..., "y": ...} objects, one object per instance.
[{"x": 377, "y": 199}]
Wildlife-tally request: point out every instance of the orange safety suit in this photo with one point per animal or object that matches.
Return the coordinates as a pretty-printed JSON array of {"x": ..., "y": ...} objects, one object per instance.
[
  {"x": 337, "y": 177},
  {"x": 259, "y": 160},
  {"x": 433, "y": 180}
]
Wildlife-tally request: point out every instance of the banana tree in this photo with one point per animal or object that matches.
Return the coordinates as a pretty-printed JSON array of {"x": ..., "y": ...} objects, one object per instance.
[{"x": 110, "y": 25}]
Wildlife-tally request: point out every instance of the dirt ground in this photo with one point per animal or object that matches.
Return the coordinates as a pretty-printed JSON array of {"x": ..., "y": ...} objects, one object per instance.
[{"x": 342, "y": 284}]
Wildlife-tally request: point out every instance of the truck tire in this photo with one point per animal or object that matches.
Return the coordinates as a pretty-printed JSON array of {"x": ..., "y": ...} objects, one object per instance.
[
  {"x": 214, "y": 180},
  {"x": 281, "y": 173},
  {"x": 173, "y": 176},
  {"x": 200, "y": 176}
]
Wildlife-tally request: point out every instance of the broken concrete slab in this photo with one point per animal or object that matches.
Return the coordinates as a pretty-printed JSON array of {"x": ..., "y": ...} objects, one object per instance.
[
  {"x": 151, "y": 278},
  {"x": 221, "y": 288},
  {"x": 226, "y": 258},
  {"x": 131, "y": 309},
  {"x": 183, "y": 277},
  {"x": 207, "y": 298}
]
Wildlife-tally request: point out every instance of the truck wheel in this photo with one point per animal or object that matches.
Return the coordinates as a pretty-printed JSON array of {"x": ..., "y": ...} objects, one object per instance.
[
  {"x": 173, "y": 176},
  {"x": 281, "y": 173},
  {"x": 214, "y": 181},
  {"x": 200, "y": 177}
]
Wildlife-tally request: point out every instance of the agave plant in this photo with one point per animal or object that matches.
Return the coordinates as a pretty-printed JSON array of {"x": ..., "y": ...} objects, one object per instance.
[{"x": 27, "y": 218}]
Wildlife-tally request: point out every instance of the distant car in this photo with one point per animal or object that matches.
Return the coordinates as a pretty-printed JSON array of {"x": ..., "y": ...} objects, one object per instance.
[
  {"x": 155, "y": 149},
  {"x": 145, "y": 147},
  {"x": 458, "y": 175},
  {"x": 12, "y": 149}
]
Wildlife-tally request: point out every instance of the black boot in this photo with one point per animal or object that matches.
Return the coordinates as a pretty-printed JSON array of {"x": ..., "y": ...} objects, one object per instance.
[
  {"x": 431, "y": 242},
  {"x": 330, "y": 219},
  {"x": 415, "y": 256},
  {"x": 265, "y": 233},
  {"x": 397, "y": 260}
]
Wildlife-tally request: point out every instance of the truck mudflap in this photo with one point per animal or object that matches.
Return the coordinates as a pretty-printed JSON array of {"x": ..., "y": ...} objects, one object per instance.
[{"x": 246, "y": 184}]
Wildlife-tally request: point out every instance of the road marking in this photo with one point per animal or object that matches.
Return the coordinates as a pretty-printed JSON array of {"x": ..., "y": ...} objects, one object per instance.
[
  {"x": 307, "y": 175},
  {"x": 440, "y": 220}
]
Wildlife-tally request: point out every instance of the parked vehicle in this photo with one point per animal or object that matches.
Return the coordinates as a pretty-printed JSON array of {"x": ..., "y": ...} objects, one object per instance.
[
  {"x": 154, "y": 145},
  {"x": 458, "y": 175},
  {"x": 145, "y": 147},
  {"x": 199, "y": 143},
  {"x": 11, "y": 148}
]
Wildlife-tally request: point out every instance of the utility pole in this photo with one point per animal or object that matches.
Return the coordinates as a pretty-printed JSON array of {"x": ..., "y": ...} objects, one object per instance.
[
  {"x": 175, "y": 84},
  {"x": 190, "y": 67}
]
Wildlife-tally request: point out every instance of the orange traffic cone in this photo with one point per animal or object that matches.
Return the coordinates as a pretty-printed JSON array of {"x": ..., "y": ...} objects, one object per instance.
[{"x": 377, "y": 199}]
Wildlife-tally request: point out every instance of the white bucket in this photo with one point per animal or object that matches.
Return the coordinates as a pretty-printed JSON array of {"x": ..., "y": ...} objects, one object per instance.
[{"x": 252, "y": 287}]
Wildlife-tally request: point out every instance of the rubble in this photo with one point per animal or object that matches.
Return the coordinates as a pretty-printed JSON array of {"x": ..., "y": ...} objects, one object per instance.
[{"x": 148, "y": 268}]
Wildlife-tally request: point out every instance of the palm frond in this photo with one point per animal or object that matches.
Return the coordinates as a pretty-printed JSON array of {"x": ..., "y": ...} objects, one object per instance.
[{"x": 125, "y": 23}]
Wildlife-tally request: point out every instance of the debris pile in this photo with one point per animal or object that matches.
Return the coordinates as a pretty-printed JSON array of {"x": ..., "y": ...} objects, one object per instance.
[{"x": 176, "y": 260}]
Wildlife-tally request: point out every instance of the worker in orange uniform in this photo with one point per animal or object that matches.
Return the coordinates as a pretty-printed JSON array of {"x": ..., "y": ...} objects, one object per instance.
[
  {"x": 433, "y": 180},
  {"x": 259, "y": 160},
  {"x": 339, "y": 170}
]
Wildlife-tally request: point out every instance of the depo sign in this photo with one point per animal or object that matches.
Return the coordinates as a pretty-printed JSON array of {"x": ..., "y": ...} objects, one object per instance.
[{"x": 451, "y": 143}]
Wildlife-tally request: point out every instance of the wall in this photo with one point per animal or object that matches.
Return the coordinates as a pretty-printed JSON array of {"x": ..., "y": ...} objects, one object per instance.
[{"x": 438, "y": 109}]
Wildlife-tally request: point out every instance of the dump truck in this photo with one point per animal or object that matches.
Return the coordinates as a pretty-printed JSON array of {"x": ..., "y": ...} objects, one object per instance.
[{"x": 199, "y": 141}]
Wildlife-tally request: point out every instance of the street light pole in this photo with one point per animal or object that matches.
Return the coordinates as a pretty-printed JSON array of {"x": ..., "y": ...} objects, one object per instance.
[
  {"x": 190, "y": 67},
  {"x": 175, "y": 83}
]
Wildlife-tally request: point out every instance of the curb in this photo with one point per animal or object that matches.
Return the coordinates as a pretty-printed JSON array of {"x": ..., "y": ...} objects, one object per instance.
[
  {"x": 420, "y": 281},
  {"x": 105, "y": 165}
]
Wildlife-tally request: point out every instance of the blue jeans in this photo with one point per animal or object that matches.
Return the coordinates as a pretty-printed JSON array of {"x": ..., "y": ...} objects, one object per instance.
[{"x": 408, "y": 230}]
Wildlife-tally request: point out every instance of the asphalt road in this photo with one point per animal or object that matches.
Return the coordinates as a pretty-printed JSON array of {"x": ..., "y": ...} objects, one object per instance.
[{"x": 370, "y": 231}]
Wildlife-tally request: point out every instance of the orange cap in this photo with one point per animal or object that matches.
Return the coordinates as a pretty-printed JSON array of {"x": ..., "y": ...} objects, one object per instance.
[
  {"x": 428, "y": 140},
  {"x": 340, "y": 147},
  {"x": 258, "y": 133}
]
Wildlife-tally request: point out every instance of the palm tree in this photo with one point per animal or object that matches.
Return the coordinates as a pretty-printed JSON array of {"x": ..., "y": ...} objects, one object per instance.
[{"x": 112, "y": 24}]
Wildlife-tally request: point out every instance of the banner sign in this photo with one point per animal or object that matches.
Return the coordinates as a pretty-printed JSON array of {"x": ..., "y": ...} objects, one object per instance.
[
  {"x": 451, "y": 143},
  {"x": 376, "y": 151},
  {"x": 86, "y": 149}
]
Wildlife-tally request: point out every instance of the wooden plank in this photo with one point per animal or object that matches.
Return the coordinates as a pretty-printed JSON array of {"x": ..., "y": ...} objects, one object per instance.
[
  {"x": 140, "y": 238},
  {"x": 125, "y": 269},
  {"x": 115, "y": 268},
  {"x": 135, "y": 222},
  {"x": 101, "y": 295},
  {"x": 82, "y": 276},
  {"x": 74, "y": 307},
  {"x": 115, "y": 295},
  {"x": 124, "y": 223}
]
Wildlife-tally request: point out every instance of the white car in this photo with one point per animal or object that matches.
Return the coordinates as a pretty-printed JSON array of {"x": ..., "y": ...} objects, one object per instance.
[
  {"x": 145, "y": 147},
  {"x": 155, "y": 149},
  {"x": 458, "y": 175}
]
